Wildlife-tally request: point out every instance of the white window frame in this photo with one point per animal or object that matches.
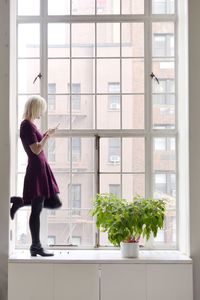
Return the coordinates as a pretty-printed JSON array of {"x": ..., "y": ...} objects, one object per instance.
[{"x": 149, "y": 132}]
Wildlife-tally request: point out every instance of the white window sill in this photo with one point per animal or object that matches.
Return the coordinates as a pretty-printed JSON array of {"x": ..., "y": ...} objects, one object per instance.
[{"x": 103, "y": 257}]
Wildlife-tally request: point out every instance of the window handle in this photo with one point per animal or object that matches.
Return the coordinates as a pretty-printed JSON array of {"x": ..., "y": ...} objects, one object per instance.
[
  {"x": 153, "y": 76},
  {"x": 38, "y": 76}
]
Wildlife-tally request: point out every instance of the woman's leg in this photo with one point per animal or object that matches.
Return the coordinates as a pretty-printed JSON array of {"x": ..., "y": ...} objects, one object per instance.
[
  {"x": 34, "y": 224},
  {"x": 34, "y": 221},
  {"x": 17, "y": 202}
]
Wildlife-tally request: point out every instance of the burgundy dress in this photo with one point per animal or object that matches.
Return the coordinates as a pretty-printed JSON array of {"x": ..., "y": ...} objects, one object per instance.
[{"x": 39, "y": 179}]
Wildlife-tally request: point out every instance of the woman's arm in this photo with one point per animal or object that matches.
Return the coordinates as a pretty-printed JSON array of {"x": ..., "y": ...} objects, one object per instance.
[{"x": 36, "y": 148}]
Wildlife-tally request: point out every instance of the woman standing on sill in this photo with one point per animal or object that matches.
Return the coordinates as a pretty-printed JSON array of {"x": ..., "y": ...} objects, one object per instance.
[{"x": 40, "y": 187}]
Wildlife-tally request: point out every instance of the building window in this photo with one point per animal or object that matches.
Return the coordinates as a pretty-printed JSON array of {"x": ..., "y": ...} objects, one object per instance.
[
  {"x": 51, "y": 240},
  {"x": 75, "y": 198},
  {"x": 89, "y": 53},
  {"x": 163, "y": 45},
  {"x": 114, "y": 98},
  {"x": 115, "y": 189},
  {"x": 51, "y": 96},
  {"x": 114, "y": 150}
]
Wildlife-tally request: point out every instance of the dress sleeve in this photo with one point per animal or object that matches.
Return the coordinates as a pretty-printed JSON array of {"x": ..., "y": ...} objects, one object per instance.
[{"x": 28, "y": 134}]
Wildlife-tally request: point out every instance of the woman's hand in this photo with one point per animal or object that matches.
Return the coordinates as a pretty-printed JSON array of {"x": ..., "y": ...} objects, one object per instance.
[{"x": 51, "y": 131}]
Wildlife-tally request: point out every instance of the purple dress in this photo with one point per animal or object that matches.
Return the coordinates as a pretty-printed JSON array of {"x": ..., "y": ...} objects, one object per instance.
[{"x": 39, "y": 179}]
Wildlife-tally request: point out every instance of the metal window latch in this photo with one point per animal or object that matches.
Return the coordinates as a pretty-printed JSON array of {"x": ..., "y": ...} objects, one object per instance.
[
  {"x": 153, "y": 76},
  {"x": 38, "y": 76}
]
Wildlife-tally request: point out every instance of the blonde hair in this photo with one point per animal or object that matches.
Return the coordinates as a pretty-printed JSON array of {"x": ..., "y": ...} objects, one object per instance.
[{"x": 35, "y": 105}]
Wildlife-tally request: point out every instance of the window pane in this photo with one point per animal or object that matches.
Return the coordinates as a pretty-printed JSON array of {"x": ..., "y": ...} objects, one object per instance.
[
  {"x": 28, "y": 40},
  {"x": 108, "y": 7},
  {"x": 82, "y": 150},
  {"x": 133, "y": 111},
  {"x": 163, "y": 39},
  {"x": 28, "y": 69},
  {"x": 83, "y": 73},
  {"x": 110, "y": 155},
  {"x": 61, "y": 7},
  {"x": 58, "y": 111},
  {"x": 83, "y": 111},
  {"x": 164, "y": 154},
  {"x": 132, "y": 76},
  {"x": 132, "y": 7},
  {"x": 58, "y": 73},
  {"x": 28, "y": 7},
  {"x": 163, "y": 6},
  {"x": 112, "y": 74},
  {"x": 133, "y": 155},
  {"x": 108, "y": 39},
  {"x": 80, "y": 7},
  {"x": 132, "y": 185},
  {"x": 115, "y": 189},
  {"x": 167, "y": 236},
  {"x": 106, "y": 180},
  {"x": 61, "y": 154},
  {"x": 58, "y": 40},
  {"x": 22, "y": 158},
  {"x": 83, "y": 40},
  {"x": 133, "y": 39},
  {"x": 108, "y": 109}
]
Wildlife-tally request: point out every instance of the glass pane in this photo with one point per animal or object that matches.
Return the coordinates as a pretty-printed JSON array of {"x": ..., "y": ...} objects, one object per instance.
[
  {"x": 28, "y": 7},
  {"x": 22, "y": 237},
  {"x": 108, "y": 109},
  {"x": 20, "y": 182},
  {"x": 132, "y": 185},
  {"x": 59, "y": 154},
  {"x": 58, "y": 111},
  {"x": 28, "y": 40},
  {"x": 132, "y": 75},
  {"x": 110, "y": 155},
  {"x": 107, "y": 180},
  {"x": 58, "y": 40},
  {"x": 83, "y": 73},
  {"x": 82, "y": 150},
  {"x": 83, "y": 110},
  {"x": 83, "y": 40},
  {"x": 167, "y": 236},
  {"x": 163, "y": 6},
  {"x": 108, "y": 39},
  {"x": 80, "y": 7},
  {"x": 133, "y": 7},
  {"x": 22, "y": 157},
  {"x": 61, "y": 7},
  {"x": 163, "y": 111},
  {"x": 28, "y": 69},
  {"x": 108, "y": 7},
  {"x": 163, "y": 39},
  {"x": 133, "y": 155},
  {"x": 133, "y": 39},
  {"x": 112, "y": 74},
  {"x": 58, "y": 73},
  {"x": 133, "y": 111},
  {"x": 164, "y": 157}
]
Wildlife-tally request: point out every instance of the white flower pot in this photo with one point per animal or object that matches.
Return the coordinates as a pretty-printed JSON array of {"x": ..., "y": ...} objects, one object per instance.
[{"x": 130, "y": 249}]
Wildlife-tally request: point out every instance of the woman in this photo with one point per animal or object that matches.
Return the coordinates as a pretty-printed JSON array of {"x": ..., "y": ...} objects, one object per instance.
[{"x": 40, "y": 187}]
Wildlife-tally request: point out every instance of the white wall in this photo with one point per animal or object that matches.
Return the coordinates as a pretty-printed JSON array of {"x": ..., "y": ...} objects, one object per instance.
[
  {"x": 194, "y": 138},
  {"x": 4, "y": 143}
]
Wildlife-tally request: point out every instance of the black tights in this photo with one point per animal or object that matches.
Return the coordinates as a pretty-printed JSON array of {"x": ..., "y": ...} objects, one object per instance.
[
  {"x": 37, "y": 205},
  {"x": 34, "y": 221}
]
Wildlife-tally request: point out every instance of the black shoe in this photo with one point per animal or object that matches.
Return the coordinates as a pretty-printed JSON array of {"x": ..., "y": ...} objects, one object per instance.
[
  {"x": 17, "y": 203},
  {"x": 39, "y": 251}
]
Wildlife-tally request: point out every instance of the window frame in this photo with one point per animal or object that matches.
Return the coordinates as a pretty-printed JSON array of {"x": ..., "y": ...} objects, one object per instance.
[{"x": 148, "y": 132}]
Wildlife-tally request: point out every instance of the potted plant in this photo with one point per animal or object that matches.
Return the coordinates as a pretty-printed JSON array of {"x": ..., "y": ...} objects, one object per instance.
[{"x": 125, "y": 222}]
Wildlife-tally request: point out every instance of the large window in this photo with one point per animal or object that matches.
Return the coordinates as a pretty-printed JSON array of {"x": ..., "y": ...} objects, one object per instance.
[{"x": 110, "y": 81}]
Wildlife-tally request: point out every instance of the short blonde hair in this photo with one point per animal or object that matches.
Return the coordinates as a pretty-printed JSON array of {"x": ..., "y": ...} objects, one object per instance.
[{"x": 35, "y": 105}]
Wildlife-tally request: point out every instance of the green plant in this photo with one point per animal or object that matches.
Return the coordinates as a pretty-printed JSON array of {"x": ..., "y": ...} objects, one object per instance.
[{"x": 128, "y": 221}]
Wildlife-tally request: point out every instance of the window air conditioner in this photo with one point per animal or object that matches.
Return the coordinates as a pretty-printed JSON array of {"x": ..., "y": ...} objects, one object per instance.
[{"x": 115, "y": 158}]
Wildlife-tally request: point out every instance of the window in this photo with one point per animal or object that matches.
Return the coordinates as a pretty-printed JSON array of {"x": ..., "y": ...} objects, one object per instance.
[
  {"x": 114, "y": 100},
  {"x": 115, "y": 189},
  {"x": 51, "y": 96},
  {"x": 75, "y": 198},
  {"x": 118, "y": 129}
]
